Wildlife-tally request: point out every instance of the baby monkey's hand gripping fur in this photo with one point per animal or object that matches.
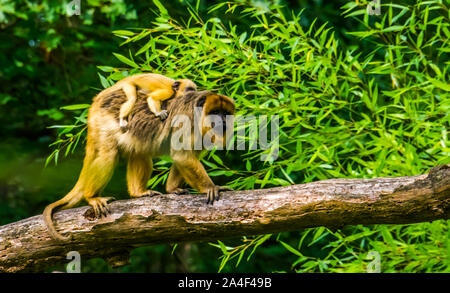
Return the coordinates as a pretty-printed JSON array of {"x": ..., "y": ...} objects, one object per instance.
[
  {"x": 156, "y": 87},
  {"x": 146, "y": 137}
]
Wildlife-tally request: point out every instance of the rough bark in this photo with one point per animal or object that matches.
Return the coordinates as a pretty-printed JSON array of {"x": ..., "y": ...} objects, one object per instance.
[{"x": 26, "y": 245}]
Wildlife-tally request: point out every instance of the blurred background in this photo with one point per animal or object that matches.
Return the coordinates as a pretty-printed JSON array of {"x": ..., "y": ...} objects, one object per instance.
[{"x": 49, "y": 60}]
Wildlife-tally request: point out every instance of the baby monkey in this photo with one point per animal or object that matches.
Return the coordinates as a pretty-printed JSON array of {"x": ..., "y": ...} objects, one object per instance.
[{"x": 156, "y": 87}]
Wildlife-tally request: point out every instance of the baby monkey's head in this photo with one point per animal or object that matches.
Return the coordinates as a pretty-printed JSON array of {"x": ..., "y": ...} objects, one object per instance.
[{"x": 183, "y": 86}]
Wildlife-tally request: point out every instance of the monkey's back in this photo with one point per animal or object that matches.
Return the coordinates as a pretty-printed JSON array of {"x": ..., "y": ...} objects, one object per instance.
[{"x": 145, "y": 133}]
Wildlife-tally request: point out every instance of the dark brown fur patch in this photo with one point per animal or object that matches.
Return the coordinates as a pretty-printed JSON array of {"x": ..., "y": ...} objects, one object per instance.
[{"x": 142, "y": 123}]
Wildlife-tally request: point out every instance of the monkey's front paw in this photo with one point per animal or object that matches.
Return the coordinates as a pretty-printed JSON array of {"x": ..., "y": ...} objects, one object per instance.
[
  {"x": 100, "y": 205},
  {"x": 123, "y": 123},
  {"x": 162, "y": 115},
  {"x": 213, "y": 194},
  {"x": 147, "y": 193}
]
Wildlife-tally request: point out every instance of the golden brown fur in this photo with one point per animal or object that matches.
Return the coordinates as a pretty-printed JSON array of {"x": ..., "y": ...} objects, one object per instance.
[{"x": 145, "y": 137}]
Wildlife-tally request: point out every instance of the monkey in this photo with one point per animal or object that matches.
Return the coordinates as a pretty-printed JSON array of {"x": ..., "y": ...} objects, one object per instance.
[
  {"x": 156, "y": 87},
  {"x": 147, "y": 137}
]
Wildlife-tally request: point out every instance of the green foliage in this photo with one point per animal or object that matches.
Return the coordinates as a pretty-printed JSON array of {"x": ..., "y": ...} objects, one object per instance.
[
  {"x": 48, "y": 58},
  {"x": 403, "y": 248}
]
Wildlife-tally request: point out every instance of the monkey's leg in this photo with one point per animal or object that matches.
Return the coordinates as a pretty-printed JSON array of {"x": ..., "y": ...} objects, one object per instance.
[
  {"x": 175, "y": 181},
  {"x": 96, "y": 173},
  {"x": 125, "y": 109},
  {"x": 139, "y": 169},
  {"x": 98, "y": 165},
  {"x": 153, "y": 101},
  {"x": 196, "y": 176}
]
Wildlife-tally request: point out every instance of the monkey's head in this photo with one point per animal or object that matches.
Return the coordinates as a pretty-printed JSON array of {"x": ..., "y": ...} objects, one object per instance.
[
  {"x": 216, "y": 117},
  {"x": 183, "y": 86},
  {"x": 210, "y": 118}
]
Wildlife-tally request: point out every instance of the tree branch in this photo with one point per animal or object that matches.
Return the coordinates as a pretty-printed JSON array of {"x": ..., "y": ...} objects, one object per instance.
[{"x": 26, "y": 245}]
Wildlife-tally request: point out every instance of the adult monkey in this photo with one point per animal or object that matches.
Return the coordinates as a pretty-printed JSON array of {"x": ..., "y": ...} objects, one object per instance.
[{"x": 145, "y": 137}]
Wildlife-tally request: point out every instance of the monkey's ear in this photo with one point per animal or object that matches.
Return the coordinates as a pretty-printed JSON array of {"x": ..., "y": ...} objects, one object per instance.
[{"x": 176, "y": 86}]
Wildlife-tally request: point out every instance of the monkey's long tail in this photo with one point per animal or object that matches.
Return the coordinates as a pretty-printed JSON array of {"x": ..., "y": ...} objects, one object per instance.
[{"x": 68, "y": 201}]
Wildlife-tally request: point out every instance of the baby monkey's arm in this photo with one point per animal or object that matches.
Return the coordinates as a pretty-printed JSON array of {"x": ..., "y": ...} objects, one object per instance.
[{"x": 154, "y": 102}]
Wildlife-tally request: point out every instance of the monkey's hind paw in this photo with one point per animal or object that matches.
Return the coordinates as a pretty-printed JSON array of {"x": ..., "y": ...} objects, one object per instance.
[
  {"x": 147, "y": 193},
  {"x": 100, "y": 206},
  {"x": 162, "y": 115},
  {"x": 213, "y": 194}
]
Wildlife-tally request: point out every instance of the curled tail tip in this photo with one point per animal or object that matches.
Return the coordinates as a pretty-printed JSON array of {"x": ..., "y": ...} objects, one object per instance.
[{"x": 48, "y": 211}]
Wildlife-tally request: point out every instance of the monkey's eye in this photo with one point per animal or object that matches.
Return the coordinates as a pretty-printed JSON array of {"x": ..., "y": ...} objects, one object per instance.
[
  {"x": 190, "y": 89},
  {"x": 214, "y": 112}
]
